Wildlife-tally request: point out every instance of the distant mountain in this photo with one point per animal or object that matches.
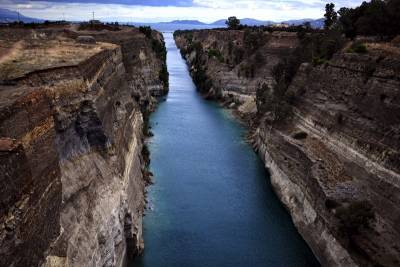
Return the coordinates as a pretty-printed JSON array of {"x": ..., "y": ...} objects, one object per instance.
[
  {"x": 190, "y": 22},
  {"x": 318, "y": 23},
  {"x": 255, "y": 22},
  {"x": 315, "y": 23},
  {"x": 10, "y": 16},
  {"x": 245, "y": 21},
  {"x": 297, "y": 22},
  {"x": 219, "y": 22},
  {"x": 174, "y": 25}
]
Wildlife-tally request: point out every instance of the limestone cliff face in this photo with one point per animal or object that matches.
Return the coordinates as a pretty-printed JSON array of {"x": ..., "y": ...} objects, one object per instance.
[
  {"x": 230, "y": 65},
  {"x": 341, "y": 149},
  {"x": 71, "y": 149},
  {"x": 334, "y": 158}
]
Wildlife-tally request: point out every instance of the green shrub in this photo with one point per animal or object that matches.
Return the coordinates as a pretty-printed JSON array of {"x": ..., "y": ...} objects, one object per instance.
[
  {"x": 238, "y": 54},
  {"x": 146, "y": 30},
  {"x": 200, "y": 78},
  {"x": 253, "y": 40},
  {"x": 318, "y": 61},
  {"x": 146, "y": 154},
  {"x": 159, "y": 48},
  {"x": 248, "y": 70},
  {"x": 357, "y": 48},
  {"x": 163, "y": 75},
  {"x": 216, "y": 54}
]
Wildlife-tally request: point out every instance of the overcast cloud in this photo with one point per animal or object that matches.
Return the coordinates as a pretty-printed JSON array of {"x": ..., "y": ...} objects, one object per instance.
[{"x": 166, "y": 10}]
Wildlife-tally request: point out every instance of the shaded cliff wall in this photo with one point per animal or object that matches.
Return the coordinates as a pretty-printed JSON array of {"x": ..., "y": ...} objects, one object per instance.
[
  {"x": 230, "y": 65},
  {"x": 334, "y": 153},
  {"x": 71, "y": 155},
  {"x": 341, "y": 145}
]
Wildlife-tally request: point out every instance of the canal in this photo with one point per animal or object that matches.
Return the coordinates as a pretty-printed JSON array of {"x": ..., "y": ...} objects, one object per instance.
[{"x": 211, "y": 203}]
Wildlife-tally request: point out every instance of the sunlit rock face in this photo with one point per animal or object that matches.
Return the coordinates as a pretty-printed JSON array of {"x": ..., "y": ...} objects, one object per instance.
[
  {"x": 71, "y": 138},
  {"x": 334, "y": 158}
]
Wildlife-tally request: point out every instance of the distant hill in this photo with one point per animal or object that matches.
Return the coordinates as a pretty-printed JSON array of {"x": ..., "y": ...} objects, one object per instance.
[
  {"x": 245, "y": 21},
  {"x": 318, "y": 23},
  {"x": 315, "y": 23},
  {"x": 190, "y": 22},
  {"x": 10, "y": 16},
  {"x": 255, "y": 22},
  {"x": 297, "y": 22}
]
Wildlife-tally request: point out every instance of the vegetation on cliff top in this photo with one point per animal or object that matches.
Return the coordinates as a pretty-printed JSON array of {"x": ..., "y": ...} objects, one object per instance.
[
  {"x": 375, "y": 18},
  {"x": 159, "y": 48},
  {"x": 315, "y": 46},
  {"x": 378, "y": 18}
]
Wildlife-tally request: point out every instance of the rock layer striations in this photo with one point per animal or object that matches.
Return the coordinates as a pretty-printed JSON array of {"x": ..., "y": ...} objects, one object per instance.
[
  {"x": 71, "y": 140},
  {"x": 333, "y": 155}
]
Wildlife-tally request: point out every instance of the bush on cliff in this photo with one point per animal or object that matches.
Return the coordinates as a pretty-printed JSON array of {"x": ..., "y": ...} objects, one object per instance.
[
  {"x": 253, "y": 40},
  {"x": 164, "y": 75},
  {"x": 146, "y": 30},
  {"x": 357, "y": 48},
  {"x": 214, "y": 53},
  {"x": 247, "y": 70},
  {"x": 317, "y": 48},
  {"x": 146, "y": 154},
  {"x": 159, "y": 48},
  {"x": 238, "y": 54}
]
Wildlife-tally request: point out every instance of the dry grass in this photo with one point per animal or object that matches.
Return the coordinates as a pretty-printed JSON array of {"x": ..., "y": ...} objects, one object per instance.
[
  {"x": 25, "y": 57},
  {"x": 384, "y": 47}
]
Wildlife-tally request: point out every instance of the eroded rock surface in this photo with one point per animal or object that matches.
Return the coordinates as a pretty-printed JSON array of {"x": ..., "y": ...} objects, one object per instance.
[
  {"x": 71, "y": 140},
  {"x": 230, "y": 65},
  {"x": 334, "y": 158}
]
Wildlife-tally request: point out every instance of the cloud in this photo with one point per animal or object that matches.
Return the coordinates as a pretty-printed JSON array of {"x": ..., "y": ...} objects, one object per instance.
[
  {"x": 128, "y": 2},
  {"x": 157, "y": 10}
]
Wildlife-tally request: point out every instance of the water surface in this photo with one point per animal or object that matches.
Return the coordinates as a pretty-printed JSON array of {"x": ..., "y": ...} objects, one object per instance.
[{"x": 212, "y": 203}]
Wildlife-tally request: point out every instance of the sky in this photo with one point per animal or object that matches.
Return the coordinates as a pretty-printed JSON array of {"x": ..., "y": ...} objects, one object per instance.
[{"x": 167, "y": 10}]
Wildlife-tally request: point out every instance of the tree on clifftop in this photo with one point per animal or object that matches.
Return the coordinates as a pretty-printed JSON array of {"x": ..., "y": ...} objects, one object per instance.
[
  {"x": 330, "y": 15},
  {"x": 232, "y": 22}
]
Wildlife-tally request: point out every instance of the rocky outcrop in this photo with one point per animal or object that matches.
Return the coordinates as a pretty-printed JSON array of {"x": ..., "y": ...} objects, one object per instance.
[
  {"x": 342, "y": 147},
  {"x": 333, "y": 155},
  {"x": 230, "y": 65},
  {"x": 71, "y": 140}
]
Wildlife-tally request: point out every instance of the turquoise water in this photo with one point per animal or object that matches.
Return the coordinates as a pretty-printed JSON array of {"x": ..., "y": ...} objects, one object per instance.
[{"x": 212, "y": 203}]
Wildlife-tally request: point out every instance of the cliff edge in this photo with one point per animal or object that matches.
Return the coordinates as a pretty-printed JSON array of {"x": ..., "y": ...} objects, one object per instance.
[{"x": 73, "y": 103}]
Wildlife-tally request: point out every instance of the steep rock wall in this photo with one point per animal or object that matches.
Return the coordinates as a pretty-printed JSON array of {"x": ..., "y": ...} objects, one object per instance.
[
  {"x": 231, "y": 65},
  {"x": 333, "y": 158},
  {"x": 71, "y": 156}
]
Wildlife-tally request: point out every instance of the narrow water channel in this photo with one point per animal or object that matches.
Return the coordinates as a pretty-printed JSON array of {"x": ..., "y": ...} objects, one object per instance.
[{"x": 212, "y": 203}]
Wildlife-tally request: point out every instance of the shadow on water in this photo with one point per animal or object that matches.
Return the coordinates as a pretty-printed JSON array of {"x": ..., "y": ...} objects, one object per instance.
[{"x": 212, "y": 203}]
